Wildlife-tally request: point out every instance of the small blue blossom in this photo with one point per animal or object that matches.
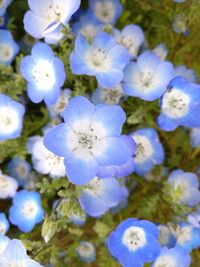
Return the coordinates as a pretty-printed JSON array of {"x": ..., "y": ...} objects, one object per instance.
[
  {"x": 189, "y": 74},
  {"x": 4, "y": 240},
  {"x": 89, "y": 138},
  {"x": 11, "y": 118},
  {"x": 149, "y": 150},
  {"x": 106, "y": 11},
  {"x": 195, "y": 137},
  {"x": 134, "y": 241},
  {"x": 174, "y": 257},
  {"x": 44, "y": 73},
  {"x": 86, "y": 252},
  {"x": 131, "y": 37},
  {"x": 189, "y": 185},
  {"x": 19, "y": 169},
  {"x": 8, "y": 47},
  {"x": 77, "y": 218},
  {"x": 194, "y": 218},
  {"x": 167, "y": 238},
  {"x": 180, "y": 24},
  {"x": 3, "y": 6},
  {"x": 99, "y": 195},
  {"x": 3, "y": 21},
  {"x": 180, "y": 105},
  {"x": 8, "y": 186},
  {"x": 45, "y": 19},
  {"x": 4, "y": 224},
  {"x": 102, "y": 58},
  {"x": 15, "y": 254},
  {"x": 161, "y": 51},
  {"x": 26, "y": 211},
  {"x": 147, "y": 78}
]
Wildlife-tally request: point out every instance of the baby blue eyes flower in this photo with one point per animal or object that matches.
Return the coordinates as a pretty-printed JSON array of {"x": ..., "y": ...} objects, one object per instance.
[
  {"x": 8, "y": 47},
  {"x": 194, "y": 218},
  {"x": 88, "y": 139},
  {"x": 149, "y": 150},
  {"x": 8, "y": 186},
  {"x": 134, "y": 242},
  {"x": 99, "y": 195},
  {"x": 106, "y": 11},
  {"x": 11, "y": 118},
  {"x": 188, "y": 183},
  {"x": 195, "y": 137},
  {"x": 46, "y": 18},
  {"x": 26, "y": 211},
  {"x": 161, "y": 51},
  {"x": 15, "y": 254},
  {"x": 4, "y": 224},
  {"x": 3, "y": 6},
  {"x": 44, "y": 73},
  {"x": 147, "y": 78},
  {"x": 174, "y": 257},
  {"x": 4, "y": 240},
  {"x": 102, "y": 58},
  {"x": 189, "y": 74},
  {"x": 180, "y": 105},
  {"x": 86, "y": 252},
  {"x": 131, "y": 37}
]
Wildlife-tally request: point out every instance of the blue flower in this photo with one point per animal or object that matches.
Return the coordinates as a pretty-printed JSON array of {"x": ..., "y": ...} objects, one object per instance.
[
  {"x": 195, "y": 137},
  {"x": 180, "y": 24},
  {"x": 77, "y": 218},
  {"x": 45, "y": 19},
  {"x": 8, "y": 47},
  {"x": 15, "y": 254},
  {"x": 86, "y": 251},
  {"x": 4, "y": 224},
  {"x": 89, "y": 139},
  {"x": 187, "y": 73},
  {"x": 102, "y": 58},
  {"x": 11, "y": 118},
  {"x": 4, "y": 240},
  {"x": 147, "y": 78},
  {"x": 99, "y": 195},
  {"x": 180, "y": 105},
  {"x": 3, "y": 21},
  {"x": 194, "y": 218},
  {"x": 134, "y": 242},
  {"x": 131, "y": 37},
  {"x": 189, "y": 185},
  {"x": 8, "y": 186},
  {"x": 167, "y": 238},
  {"x": 45, "y": 74},
  {"x": 161, "y": 51},
  {"x": 19, "y": 169},
  {"x": 174, "y": 257},
  {"x": 3, "y": 6},
  {"x": 149, "y": 150},
  {"x": 26, "y": 211},
  {"x": 106, "y": 11}
]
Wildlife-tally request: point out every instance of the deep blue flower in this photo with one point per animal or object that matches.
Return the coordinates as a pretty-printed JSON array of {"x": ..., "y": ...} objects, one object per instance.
[
  {"x": 134, "y": 242},
  {"x": 45, "y": 74},
  {"x": 26, "y": 211},
  {"x": 89, "y": 139},
  {"x": 4, "y": 224},
  {"x": 3, "y": 21},
  {"x": 180, "y": 105},
  {"x": 102, "y": 58}
]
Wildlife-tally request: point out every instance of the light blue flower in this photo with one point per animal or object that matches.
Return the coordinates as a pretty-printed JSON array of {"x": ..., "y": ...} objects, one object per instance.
[
  {"x": 3, "y": 21},
  {"x": 194, "y": 218},
  {"x": 106, "y": 11},
  {"x": 149, "y": 150},
  {"x": 131, "y": 37},
  {"x": 89, "y": 139},
  {"x": 147, "y": 78},
  {"x": 11, "y": 118},
  {"x": 4, "y": 224},
  {"x": 167, "y": 238},
  {"x": 102, "y": 58},
  {"x": 19, "y": 169},
  {"x": 195, "y": 137},
  {"x": 15, "y": 254},
  {"x": 8, "y": 47},
  {"x": 174, "y": 257},
  {"x": 123, "y": 202},
  {"x": 44, "y": 73},
  {"x": 26, "y": 210},
  {"x": 8, "y": 186},
  {"x": 45, "y": 19},
  {"x": 3, "y": 6},
  {"x": 4, "y": 240},
  {"x": 134, "y": 242},
  {"x": 86, "y": 251},
  {"x": 161, "y": 51},
  {"x": 189, "y": 185},
  {"x": 77, "y": 218},
  {"x": 99, "y": 195},
  {"x": 189, "y": 74},
  {"x": 180, "y": 105},
  {"x": 180, "y": 24}
]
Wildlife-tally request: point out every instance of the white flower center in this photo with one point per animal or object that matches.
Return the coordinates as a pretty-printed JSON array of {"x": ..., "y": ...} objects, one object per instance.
[
  {"x": 165, "y": 261},
  {"x": 134, "y": 238},
  {"x": 21, "y": 170},
  {"x": 144, "y": 149},
  {"x": 86, "y": 250},
  {"x": 185, "y": 235},
  {"x": 95, "y": 187},
  {"x": 175, "y": 103},
  {"x": 29, "y": 209},
  {"x": 9, "y": 120},
  {"x": 6, "y": 52},
  {"x": 2, "y": 228},
  {"x": 89, "y": 31},
  {"x": 44, "y": 75},
  {"x": 112, "y": 96},
  {"x": 105, "y": 11},
  {"x": 97, "y": 59},
  {"x": 129, "y": 43},
  {"x": 54, "y": 160}
]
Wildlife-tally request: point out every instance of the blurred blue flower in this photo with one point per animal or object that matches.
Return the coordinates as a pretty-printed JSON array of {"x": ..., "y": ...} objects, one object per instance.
[
  {"x": 8, "y": 186},
  {"x": 86, "y": 251},
  {"x": 189, "y": 74},
  {"x": 195, "y": 137},
  {"x": 194, "y": 218},
  {"x": 134, "y": 241},
  {"x": 44, "y": 73},
  {"x": 102, "y": 58},
  {"x": 4, "y": 224},
  {"x": 161, "y": 51},
  {"x": 26, "y": 210},
  {"x": 4, "y": 240},
  {"x": 3, "y": 6},
  {"x": 167, "y": 238}
]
